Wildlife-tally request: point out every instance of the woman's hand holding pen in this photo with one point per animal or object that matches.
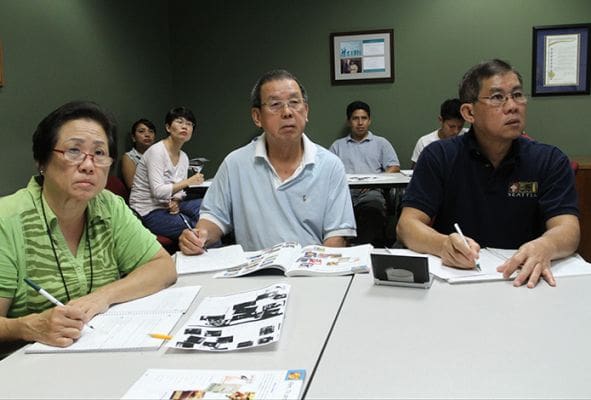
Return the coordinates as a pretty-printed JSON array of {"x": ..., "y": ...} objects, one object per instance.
[
  {"x": 192, "y": 241},
  {"x": 196, "y": 179},
  {"x": 455, "y": 253},
  {"x": 58, "y": 326}
]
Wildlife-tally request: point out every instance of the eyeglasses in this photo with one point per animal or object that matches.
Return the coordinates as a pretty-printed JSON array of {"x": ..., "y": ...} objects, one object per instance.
[
  {"x": 77, "y": 157},
  {"x": 182, "y": 121},
  {"x": 499, "y": 99},
  {"x": 276, "y": 106}
]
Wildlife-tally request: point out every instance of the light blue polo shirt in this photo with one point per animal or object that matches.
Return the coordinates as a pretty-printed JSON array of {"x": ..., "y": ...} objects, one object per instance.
[
  {"x": 247, "y": 196},
  {"x": 373, "y": 155}
]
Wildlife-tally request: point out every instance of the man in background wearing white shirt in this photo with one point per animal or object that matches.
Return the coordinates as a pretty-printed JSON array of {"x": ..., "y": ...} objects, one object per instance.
[{"x": 451, "y": 121}]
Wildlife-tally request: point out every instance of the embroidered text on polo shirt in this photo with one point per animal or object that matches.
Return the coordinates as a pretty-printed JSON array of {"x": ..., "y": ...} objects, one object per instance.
[{"x": 523, "y": 189}]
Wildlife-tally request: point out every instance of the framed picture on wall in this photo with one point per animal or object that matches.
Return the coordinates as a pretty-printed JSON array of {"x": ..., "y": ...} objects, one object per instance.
[
  {"x": 362, "y": 57},
  {"x": 560, "y": 60}
]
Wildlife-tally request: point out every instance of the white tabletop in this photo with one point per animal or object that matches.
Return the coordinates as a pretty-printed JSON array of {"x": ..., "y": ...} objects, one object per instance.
[
  {"x": 485, "y": 340},
  {"x": 312, "y": 307}
]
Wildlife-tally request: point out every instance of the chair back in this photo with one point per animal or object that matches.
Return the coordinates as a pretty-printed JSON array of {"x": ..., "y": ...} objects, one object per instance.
[{"x": 116, "y": 185}]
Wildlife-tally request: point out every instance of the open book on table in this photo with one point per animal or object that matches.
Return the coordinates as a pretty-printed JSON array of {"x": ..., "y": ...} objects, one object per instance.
[
  {"x": 127, "y": 326},
  {"x": 312, "y": 260}
]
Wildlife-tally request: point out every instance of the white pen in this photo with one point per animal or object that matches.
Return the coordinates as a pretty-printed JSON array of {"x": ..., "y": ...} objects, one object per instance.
[
  {"x": 457, "y": 227},
  {"x": 48, "y": 296}
]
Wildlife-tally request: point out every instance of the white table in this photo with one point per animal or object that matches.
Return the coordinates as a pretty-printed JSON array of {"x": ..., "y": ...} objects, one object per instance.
[
  {"x": 486, "y": 340},
  {"x": 311, "y": 311}
]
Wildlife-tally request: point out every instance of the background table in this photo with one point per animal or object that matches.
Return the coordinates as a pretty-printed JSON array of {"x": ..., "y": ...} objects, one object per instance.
[
  {"x": 485, "y": 340},
  {"x": 311, "y": 310},
  {"x": 383, "y": 181}
]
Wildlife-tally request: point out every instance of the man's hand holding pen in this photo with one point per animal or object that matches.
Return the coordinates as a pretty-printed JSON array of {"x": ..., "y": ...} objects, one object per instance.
[{"x": 193, "y": 241}]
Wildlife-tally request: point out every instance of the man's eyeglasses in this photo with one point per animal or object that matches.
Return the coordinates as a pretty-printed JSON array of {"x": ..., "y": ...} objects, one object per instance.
[
  {"x": 276, "y": 106},
  {"x": 499, "y": 99},
  {"x": 182, "y": 121},
  {"x": 76, "y": 157}
]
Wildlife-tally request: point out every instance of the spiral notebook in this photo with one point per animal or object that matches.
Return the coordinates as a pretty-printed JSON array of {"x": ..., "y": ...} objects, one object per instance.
[{"x": 128, "y": 326}]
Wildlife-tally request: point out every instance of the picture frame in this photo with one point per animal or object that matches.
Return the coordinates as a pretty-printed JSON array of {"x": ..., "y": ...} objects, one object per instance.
[
  {"x": 560, "y": 60},
  {"x": 362, "y": 57}
]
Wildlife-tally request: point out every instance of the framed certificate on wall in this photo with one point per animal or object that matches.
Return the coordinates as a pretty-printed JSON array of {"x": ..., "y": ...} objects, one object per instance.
[{"x": 560, "y": 60}]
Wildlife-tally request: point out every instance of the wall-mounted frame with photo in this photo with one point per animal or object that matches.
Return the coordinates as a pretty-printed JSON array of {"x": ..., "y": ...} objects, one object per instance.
[
  {"x": 362, "y": 57},
  {"x": 560, "y": 60}
]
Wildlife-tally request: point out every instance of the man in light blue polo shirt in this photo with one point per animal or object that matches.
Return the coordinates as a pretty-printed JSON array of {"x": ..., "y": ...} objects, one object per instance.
[
  {"x": 281, "y": 186},
  {"x": 362, "y": 152}
]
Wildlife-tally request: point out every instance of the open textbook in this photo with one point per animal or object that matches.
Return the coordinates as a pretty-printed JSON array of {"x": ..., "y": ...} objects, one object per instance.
[
  {"x": 313, "y": 260},
  {"x": 490, "y": 259},
  {"x": 235, "y": 322},
  {"x": 217, "y": 384},
  {"x": 127, "y": 326}
]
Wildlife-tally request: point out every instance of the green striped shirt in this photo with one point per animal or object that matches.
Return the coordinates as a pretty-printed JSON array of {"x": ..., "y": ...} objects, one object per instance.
[{"x": 118, "y": 240}]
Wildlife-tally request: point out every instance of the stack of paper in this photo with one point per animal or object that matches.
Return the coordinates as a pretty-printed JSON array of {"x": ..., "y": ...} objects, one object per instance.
[
  {"x": 213, "y": 260},
  {"x": 490, "y": 259}
]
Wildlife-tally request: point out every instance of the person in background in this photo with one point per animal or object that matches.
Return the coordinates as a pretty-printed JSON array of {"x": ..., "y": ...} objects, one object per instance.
[
  {"x": 279, "y": 187},
  {"x": 504, "y": 190},
  {"x": 157, "y": 193},
  {"x": 451, "y": 124},
  {"x": 362, "y": 152},
  {"x": 143, "y": 133},
  {"x": 81, "y": 243}
]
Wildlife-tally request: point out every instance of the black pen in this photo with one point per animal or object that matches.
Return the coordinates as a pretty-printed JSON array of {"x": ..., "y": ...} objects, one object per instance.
[{"x": 191, "y": 229}]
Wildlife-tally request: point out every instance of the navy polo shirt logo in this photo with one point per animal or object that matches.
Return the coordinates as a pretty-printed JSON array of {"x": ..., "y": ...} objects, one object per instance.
[{"x": 523, "y": 189}]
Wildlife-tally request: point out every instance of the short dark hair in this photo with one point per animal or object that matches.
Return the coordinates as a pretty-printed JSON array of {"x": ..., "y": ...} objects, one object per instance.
[
  {"x": 472, "y": 80},
  {"x": 450, "y": 109},
  {"x": 179, "y": 112},
  {"x": 144, "y": 121},
  {"x": 46, "y": 135},
  {"x": 274, "y": 75},
  {"x": 358, "y": 105}
]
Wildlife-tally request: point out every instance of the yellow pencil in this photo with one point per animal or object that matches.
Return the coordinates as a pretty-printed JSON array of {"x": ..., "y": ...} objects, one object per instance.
[{"x": 160, "y": 336}]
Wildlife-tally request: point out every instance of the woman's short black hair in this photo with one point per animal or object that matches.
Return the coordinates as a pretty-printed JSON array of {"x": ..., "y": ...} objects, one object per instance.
[
  {"x": 46, "y": 135},
  {"x": 144, "y": 121},
  {"x": 179, "y": 112}
]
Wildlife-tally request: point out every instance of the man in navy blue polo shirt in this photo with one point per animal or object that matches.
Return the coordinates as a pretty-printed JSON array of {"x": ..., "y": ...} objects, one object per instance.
[{"x": 504, "y": 190}]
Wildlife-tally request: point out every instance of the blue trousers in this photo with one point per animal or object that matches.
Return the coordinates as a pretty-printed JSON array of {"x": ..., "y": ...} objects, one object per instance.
[{"x": 161, "y": 222}]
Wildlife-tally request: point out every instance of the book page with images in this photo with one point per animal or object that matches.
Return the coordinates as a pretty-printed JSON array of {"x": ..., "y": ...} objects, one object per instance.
[
  {"x": 320, "y": 260},
  {"x": 280, "y": 256},
  {"x": 217, "y": 384},
  {"x": 235, "y": 322}
]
